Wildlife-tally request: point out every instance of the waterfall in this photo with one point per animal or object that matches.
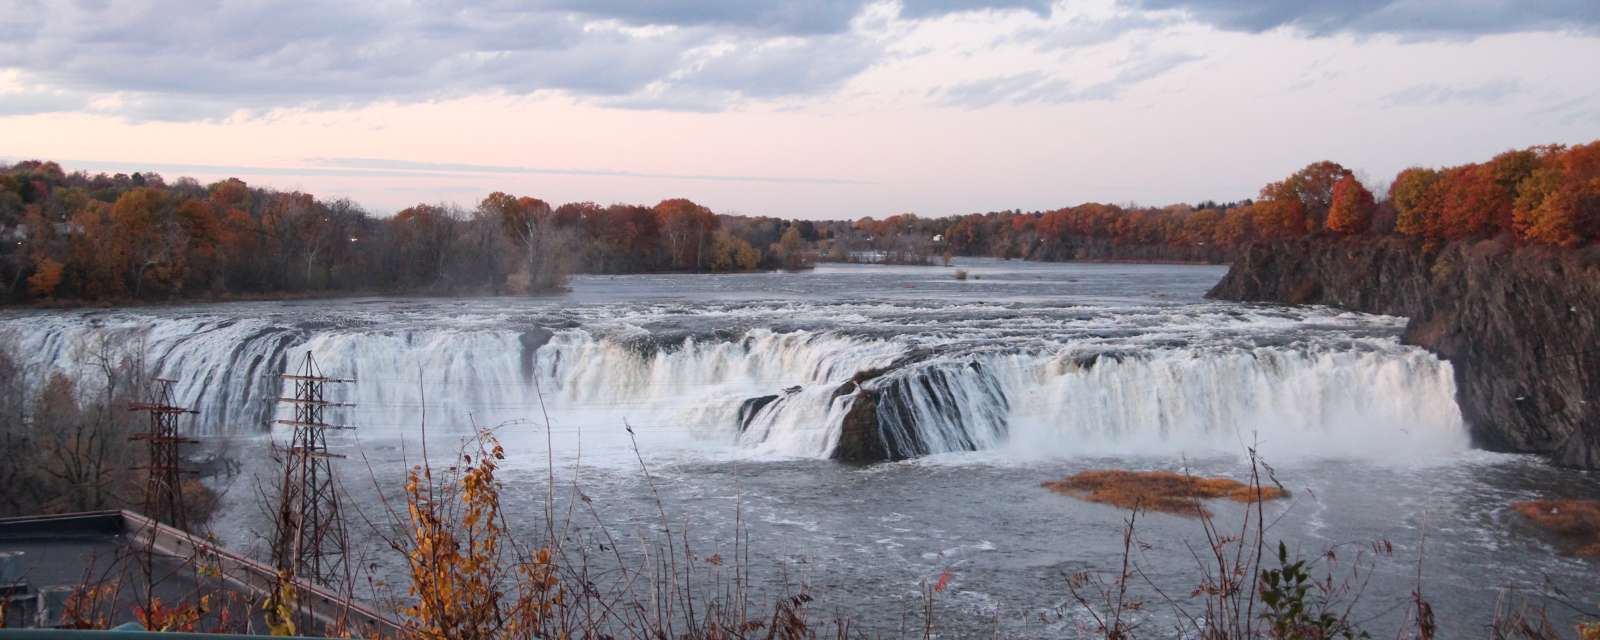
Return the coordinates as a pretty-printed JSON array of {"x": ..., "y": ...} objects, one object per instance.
[
  {"x": 1377, "y": 397},
  {"x": 784, "y": 393}
]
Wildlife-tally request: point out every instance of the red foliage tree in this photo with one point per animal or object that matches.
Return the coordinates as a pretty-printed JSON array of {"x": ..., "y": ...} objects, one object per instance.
[{"x": 1351, "y": 211}]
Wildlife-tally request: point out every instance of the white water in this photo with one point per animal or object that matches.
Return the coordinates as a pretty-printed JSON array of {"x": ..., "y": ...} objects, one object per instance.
[
  {"x": 1009, "y": 350},
  {"x": 1367, "y": 397}
]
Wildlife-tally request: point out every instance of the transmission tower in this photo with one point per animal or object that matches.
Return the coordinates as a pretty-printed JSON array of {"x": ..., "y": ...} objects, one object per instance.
[
  {"x": 163, "y": 487},
  {"x": 310, "y": 538}
]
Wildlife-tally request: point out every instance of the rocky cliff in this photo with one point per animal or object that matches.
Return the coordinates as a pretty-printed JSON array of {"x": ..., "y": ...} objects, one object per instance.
[{"x": 1521, "y": 327}]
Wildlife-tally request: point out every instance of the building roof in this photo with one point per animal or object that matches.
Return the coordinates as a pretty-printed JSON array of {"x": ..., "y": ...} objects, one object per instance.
[{"x": 100, "y": 567}]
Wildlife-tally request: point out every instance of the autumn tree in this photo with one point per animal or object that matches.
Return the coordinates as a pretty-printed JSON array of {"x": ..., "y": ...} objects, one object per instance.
[
  {"x": 424, "y": 236},
  {"x": 686, "y": 228},
  {"x": 731, "y": 253},
  {"x": 1351, "y": 211},
  {"x": 1558, "y": 203},
  {"x": 201, "y": 232},
  {"x": 1236, "y": 228},
  {"x": 532, "y": 228},
  {"x": 1471, "y": 203},
  {"x": 789, "y": 251},
  {"x": 1415, "y": 196},
  {"x": 288, "y": 223},
  {"x": 1279, "y": 214},
  {"x": 153, "y": 241},
  {"x": 98, "y": 253},
  {"x": 46, "y": 277},
  {"x": 1299, "y": 203}
]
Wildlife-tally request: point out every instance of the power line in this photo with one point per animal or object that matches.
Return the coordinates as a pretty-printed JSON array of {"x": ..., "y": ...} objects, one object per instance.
[
  {"x": 163, "y": 489},
  {"x": 309, "y": 541}
]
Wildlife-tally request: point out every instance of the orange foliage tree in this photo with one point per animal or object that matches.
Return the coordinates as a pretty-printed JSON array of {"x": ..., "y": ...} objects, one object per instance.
[
  {"x": 1558, "y": 203},
  {"x": 1415, "y": 197},
  {"x": 1471, "y": 203},
  {"x": 1299, "y": 203},
  {"x": 1351, "y": 211},
  {"x": 46, "y": 277}
]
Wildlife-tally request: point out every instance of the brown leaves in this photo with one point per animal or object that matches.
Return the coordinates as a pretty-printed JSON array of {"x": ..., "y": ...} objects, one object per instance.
[
  {"x": 1575, "y": 522},
  {"x": 1163, "y": 491},
  {"x": 459, "y": 556}
]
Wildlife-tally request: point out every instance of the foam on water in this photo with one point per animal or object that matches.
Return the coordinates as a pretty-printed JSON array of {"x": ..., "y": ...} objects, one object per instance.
[{"x": 1057, "y": 382}]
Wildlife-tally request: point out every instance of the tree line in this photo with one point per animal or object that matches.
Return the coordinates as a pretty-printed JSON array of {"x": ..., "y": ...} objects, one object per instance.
[
  {"x": 1543, "y": 195},
  {"x": 75, "y": 236}
]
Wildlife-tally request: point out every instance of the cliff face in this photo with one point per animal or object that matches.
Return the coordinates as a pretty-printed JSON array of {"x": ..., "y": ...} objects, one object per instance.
[{"x": 1521, "y": 327}]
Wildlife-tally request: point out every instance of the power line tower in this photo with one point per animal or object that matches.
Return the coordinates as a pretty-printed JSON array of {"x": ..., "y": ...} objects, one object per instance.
[
  {"x": 163, "y": 487},
  {"x": 310, "y": 539}
]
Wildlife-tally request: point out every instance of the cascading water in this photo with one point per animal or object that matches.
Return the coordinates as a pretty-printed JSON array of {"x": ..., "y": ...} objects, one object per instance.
[
  {"x": 788, "y": 393},
  {"x": 1047, "y": 370},
  {"x": 1297, "y": 399}
]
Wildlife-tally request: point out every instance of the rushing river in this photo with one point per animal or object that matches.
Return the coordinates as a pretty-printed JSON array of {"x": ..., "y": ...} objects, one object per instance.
[{"x": 1022, "y": 373}]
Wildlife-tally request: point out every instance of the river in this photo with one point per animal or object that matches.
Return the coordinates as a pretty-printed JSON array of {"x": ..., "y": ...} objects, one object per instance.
[{"x": 1021, "y": 373}]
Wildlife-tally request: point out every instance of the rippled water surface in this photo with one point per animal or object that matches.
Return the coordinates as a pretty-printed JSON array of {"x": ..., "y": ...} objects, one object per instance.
[{"x": 1022, "y": 373}]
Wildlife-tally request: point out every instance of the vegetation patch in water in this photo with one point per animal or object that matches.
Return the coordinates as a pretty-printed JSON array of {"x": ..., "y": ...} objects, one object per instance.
[
  {"x": 1576, "y": 522},
  {"x": 1163, "y": 491}
]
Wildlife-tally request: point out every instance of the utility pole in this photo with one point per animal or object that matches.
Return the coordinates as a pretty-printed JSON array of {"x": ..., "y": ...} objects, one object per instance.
[
  {"x": 163, "y": 487},
  {"x": 310, "y": 540}
]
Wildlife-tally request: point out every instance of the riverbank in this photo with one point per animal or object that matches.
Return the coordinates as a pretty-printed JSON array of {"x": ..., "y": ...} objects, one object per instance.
[
  {"x": 346, "y": 294},
  {"x": 1519, "y": 325}
]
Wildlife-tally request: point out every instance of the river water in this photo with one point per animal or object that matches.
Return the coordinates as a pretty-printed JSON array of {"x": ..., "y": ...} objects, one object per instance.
[{"x": 1021, "y": 373}]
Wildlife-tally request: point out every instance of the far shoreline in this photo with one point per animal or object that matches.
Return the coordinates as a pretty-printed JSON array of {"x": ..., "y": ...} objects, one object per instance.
[{"x": 333, "y": 295}]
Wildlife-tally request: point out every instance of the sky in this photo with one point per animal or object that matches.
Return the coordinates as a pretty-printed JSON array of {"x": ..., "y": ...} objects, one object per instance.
[{"x": 820, "y": 109}]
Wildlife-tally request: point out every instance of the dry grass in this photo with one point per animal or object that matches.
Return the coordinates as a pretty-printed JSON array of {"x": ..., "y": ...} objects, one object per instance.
[
  {"x": 1158, "y": 490},
  {"x": 1576, "y": 522}
]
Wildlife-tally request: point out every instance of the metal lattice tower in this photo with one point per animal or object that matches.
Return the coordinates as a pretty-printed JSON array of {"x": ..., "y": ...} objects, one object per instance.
[
  {"x": 163, "y": 488},
  {"x": 310, "y": 539}
]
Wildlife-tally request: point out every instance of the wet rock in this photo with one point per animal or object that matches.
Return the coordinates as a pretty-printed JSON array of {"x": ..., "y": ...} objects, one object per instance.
[
  {"x": 1520, "y": 327},
  {"x": 880, "y": 425},
  {"x": 532, "y": 340},
  {"x": 860, "y": 439},
  {"x": 750, "y": 407}
]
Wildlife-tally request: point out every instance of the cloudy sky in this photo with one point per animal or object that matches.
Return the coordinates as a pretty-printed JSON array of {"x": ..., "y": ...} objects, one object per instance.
[{"x": 828, "y": 108}]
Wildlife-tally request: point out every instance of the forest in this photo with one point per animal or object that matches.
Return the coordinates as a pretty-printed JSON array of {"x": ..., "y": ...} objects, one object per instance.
[
  {"x": 1544, "y": 195},
  {"x": 105, "y": 238},
  {"x": 137, "y": 237}
]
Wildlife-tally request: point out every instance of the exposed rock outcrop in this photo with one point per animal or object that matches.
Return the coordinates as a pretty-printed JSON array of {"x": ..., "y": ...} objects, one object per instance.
[
  {"x": 1521, "y": 327},
  {"x": 862, "y": 438}
]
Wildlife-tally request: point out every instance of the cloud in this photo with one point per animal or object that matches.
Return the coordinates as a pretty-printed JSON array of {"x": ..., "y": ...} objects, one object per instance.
[
  {"x": 1413, "y": 18},
  {"x": 1037, "y": 87},
  {"x": 775, "y": 17},
  {"x": 1574, "y": 111},
  {"x": 936, "y": 8},
  {"x": 29, "y": 102},
  {"x": 780, "y": 17},
  {"x": 1085, "y": 31},
  {"x": 182, "y": 60},
  {"x": 1428, "y": 94}
]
